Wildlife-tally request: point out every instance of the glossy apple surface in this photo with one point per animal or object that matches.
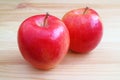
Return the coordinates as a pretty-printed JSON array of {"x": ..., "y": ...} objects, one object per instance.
[
  {"x": 85, "y": 28},
  {"x": 43, "y": 40}
]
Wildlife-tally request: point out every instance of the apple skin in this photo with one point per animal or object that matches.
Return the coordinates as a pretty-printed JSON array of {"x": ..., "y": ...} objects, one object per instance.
[
  {"x": 43, "y": 46},
  {"x": 85, "y": 29}
]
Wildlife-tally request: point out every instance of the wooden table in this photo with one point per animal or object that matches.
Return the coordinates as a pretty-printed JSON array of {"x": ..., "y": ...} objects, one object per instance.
[{"x": 103, "y": 63}]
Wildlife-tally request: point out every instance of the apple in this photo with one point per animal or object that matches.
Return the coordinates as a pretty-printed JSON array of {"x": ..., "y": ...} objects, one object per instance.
[
  {"x": 43, "y": 41},
  {"x": 85, "y": 29}
]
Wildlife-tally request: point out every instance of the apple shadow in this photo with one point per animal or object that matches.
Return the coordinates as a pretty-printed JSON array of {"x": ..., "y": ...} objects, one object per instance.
[
  {"x": 71, "y": 58},
  {"x": 17, "y": 59},
  {"x": 74, "y": 58},
  {"x": 18, "y": 65}
]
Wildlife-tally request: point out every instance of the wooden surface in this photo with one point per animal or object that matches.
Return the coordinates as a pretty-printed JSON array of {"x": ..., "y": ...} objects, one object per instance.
[{"x": 103, "y": 63}]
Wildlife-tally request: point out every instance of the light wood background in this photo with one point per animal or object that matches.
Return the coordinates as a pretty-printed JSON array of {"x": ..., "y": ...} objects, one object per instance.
[{"x": 103, "y": 63}]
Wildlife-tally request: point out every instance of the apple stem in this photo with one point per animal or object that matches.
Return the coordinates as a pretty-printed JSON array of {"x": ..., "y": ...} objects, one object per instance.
[
  {"x": 85, "y": 10},
  {"x": 45, "y": 19}
]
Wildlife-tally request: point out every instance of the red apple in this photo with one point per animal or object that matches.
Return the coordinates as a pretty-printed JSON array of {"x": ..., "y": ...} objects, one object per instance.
[
  {"x": 85, "y": 28},
  {"x": 43, "y": 40}
]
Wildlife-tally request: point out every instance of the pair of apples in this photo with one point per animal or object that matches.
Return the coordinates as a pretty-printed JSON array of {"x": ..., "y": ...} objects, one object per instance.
[{"x": 44, "y": 39}]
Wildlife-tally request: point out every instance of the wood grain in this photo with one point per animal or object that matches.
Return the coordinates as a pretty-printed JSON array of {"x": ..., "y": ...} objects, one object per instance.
[{"x": 103, "y": 63}]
